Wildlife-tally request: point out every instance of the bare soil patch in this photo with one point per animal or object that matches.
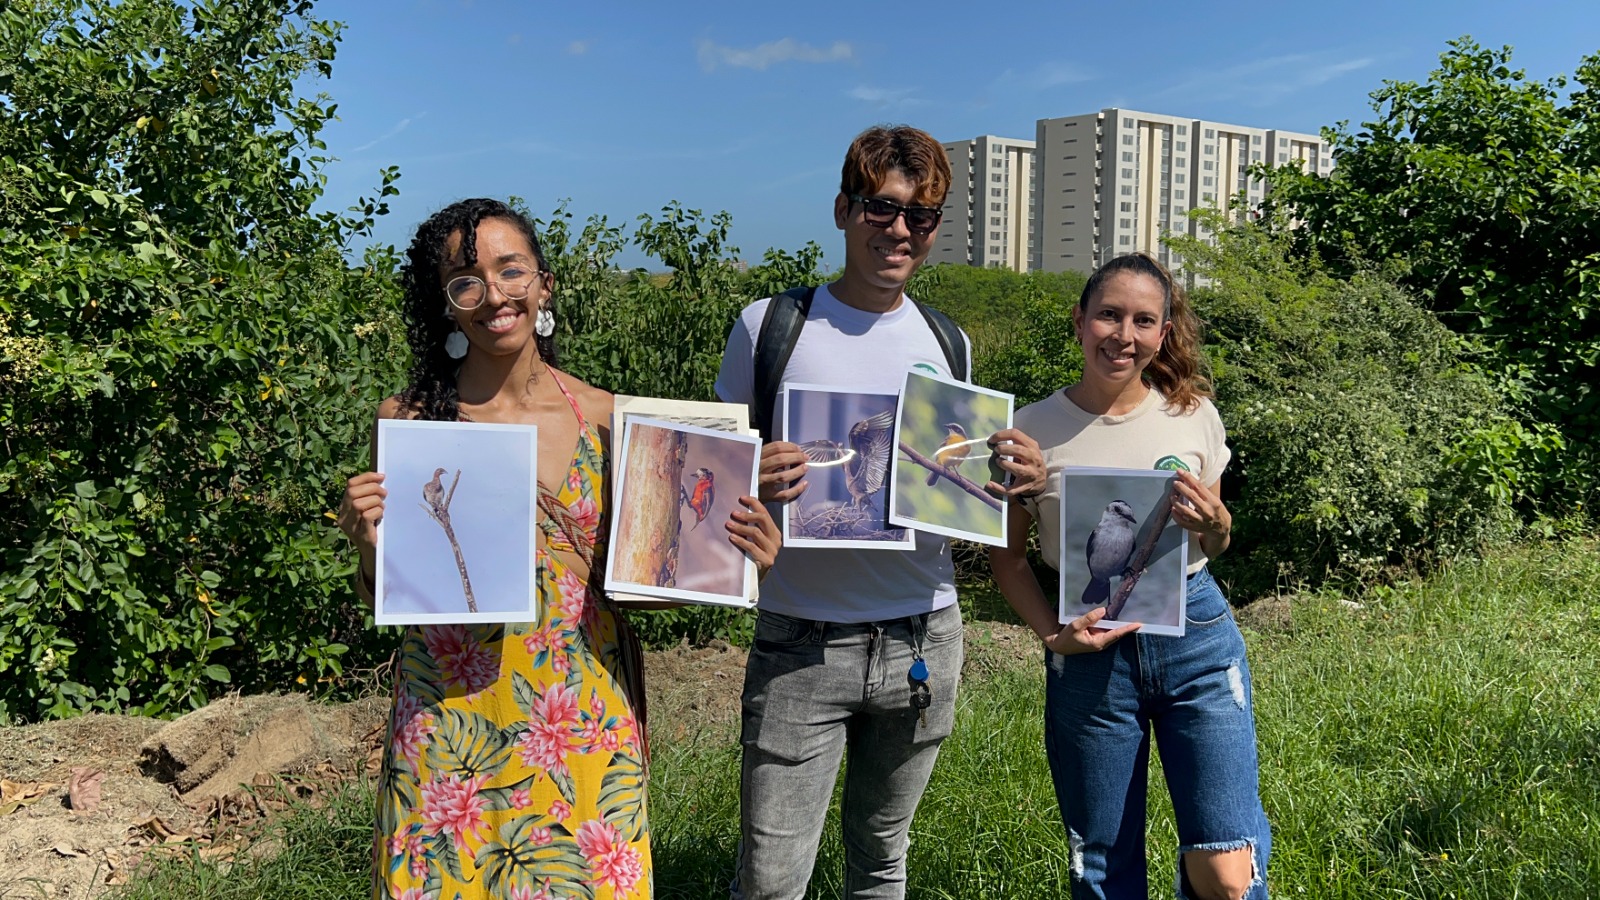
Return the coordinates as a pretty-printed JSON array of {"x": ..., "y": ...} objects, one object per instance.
[{"x": 200, "y": 783}]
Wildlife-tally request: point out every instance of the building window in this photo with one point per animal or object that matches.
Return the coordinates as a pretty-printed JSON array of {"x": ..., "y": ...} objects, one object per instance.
[
  {"x": 1126, "y": 206},
  {"x": 1208, "y": 196},
  {"x": 994, "y": 235},
  {"x": 1210, "y": 133},
  {"x": 1182, "y": 146},
  {"x": 994, "y": 192},
  {"x": 1127, "y": 173},
  {"x": 1183, "y": 161},
  {"x": 1178, "y": 194},
  {"x": 1127, "y": 190},
  {"x": 1283, "y": 142},
  {"x": 1124, "y": 240},
  {"x": 1207, "y": 181},
  {"x": 994, "y": 251},
  {"x": 1183, "y": 129},
  {"x": 1255, "y": 139},
  {"x": 1178, "y": 178},
  {"x": 994, "y": 220},
  {"x": 1127, "y": 156},
  {"x": 1255, "y": 156},
  {"x": 1127, "y": 139},
  {"x": 1125, "y": 223},
  {"x": 1207, "y": 165},
  {"x": 1127, "y": 122},
  {"x": 994, "y": 207},
  {"x": 1283, "y": 157},
  {"x": 997, "y": 176}
]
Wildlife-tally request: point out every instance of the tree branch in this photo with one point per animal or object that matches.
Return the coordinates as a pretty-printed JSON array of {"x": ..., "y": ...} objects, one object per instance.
[
  {"x": 1140, "y": 561},
  {"x": 954, "y": 476}
]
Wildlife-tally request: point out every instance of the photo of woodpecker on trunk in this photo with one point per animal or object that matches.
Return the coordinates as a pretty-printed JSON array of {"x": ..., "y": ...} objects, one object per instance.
[
  {"x": 943, "y": 461},
  {"x": 848, "y": 440},
  {"x": 1121, "y": 550},
  {"x": 456, "y": 543},
  {"x": 675, "y": 487}
]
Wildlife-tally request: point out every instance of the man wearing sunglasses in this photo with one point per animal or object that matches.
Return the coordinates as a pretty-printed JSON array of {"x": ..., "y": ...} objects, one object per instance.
[{"x": 856, "y": 651}]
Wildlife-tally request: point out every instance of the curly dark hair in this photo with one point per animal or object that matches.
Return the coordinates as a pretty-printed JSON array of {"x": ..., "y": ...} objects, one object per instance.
[
  {"x": 431, "y": 392},
  {"x": 1179, "y": 370}
]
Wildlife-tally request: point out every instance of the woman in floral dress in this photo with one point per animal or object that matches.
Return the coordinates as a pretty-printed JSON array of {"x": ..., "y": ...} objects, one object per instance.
[{"x": 515, "y": 766}]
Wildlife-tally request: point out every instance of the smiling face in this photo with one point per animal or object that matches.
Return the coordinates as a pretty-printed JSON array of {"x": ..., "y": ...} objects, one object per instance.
[
  {"x": 1121, "y": 329},
  {"x": 498, "y": 325},
  {"x": 879, "y": 261}
]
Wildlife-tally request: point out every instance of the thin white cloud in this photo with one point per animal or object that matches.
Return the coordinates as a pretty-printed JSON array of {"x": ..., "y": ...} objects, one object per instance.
[
  {"x": 1267, "y": 81},
  {"x": 771, "y": 53},
  {"x": 884, "y": 98},
  {"x": 578, "y": 48},
  {"x": 400, "y": 126},
  {"x": 1043, "y": 76}
]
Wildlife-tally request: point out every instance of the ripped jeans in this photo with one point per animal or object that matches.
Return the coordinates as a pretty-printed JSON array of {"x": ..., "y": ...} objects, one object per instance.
[{"x": 1194, "y": 693}]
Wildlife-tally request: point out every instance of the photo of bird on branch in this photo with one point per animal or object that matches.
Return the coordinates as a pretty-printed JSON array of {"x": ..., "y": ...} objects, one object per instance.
[
  {"x": 1120, "y": 549},
  {"x": 944, "y": 461}
]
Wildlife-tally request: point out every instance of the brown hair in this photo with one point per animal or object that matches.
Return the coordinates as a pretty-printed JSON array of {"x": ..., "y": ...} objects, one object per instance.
[
  {"x": 1179, "y": 370},
  {"x": 882, "y": 149}
]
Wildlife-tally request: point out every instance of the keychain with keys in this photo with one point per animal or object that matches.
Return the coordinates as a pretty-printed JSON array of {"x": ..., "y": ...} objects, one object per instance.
[{"x": 921, "y": 694}]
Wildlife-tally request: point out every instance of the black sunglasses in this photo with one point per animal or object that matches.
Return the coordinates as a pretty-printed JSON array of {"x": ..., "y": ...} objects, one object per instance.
[{"x": 881, "y": 213}]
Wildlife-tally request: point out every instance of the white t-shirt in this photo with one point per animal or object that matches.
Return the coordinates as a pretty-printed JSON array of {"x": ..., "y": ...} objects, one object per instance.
[
  {"x": 841, "y": 346},
  {"x": 1153, "y": 431}
]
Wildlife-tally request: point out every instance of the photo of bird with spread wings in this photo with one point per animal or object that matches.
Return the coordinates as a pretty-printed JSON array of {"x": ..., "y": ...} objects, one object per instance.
[{"x": 848, "y": 440}]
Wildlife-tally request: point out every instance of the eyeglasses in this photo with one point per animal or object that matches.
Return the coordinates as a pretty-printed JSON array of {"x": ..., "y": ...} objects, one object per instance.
[
  {"x": 881, "y": 213},
  {"x": 469, "y": 291}
]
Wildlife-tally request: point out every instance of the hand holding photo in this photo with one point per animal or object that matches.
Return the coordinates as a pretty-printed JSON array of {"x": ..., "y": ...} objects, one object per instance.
[
  {"x": 456, "y": 543},
  {"x": 670, "y": 480},
  {"x": 848, "y": 440},
  {"x": 943, "y": 459},
  {"x": 1121, "y": 549}
]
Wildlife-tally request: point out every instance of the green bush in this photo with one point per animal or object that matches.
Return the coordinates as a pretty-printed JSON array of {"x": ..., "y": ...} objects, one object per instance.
[
  {"x": 187, "y": 363},
  {"x": 1364, "y": 432}
]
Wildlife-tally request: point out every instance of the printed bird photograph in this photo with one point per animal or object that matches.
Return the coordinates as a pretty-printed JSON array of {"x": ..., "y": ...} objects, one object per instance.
[
  {"x": 1119, "y": 550},
  {"x": 942, "y": 459},
  {"x": 676, "y": 488},
  {"x": 848, "y": 440},
  {"x": 456, "y": 542}
]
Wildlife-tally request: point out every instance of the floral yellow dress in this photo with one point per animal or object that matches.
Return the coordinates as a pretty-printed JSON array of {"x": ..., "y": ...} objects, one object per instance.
[{"x": 515, "y": 762}]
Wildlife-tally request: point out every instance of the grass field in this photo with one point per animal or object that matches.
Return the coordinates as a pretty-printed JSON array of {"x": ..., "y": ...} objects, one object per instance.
[{"x": 1441, "y": 739}]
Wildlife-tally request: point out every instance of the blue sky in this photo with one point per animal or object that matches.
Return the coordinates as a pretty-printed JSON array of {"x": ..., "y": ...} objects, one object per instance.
[{"x": 747, "y": 107}]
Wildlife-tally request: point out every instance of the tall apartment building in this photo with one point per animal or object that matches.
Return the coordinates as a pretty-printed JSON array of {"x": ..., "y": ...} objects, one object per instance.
[
  {"x": 1115, "y": 181},
  {"x": 988, "y": 214}
]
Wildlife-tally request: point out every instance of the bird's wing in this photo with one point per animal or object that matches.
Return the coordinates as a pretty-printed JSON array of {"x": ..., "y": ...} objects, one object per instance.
[
  {"x": 826, "y": 453},
  {"x": 874, "y": 439}
]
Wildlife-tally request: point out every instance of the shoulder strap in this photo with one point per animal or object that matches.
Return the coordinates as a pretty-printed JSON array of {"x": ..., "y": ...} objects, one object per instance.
[
  {"x": 780, "y": 331},
  {"x": 950, "y": 339}
]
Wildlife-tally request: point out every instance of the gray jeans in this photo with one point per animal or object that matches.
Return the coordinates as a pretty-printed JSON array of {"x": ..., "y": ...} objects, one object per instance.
[{"x": 811, "y": 689}]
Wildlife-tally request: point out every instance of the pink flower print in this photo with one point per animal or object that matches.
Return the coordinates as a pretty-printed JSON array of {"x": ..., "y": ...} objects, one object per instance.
[
  {"x": 454, "y": 805},
  {"x": 542, "y": 640},
  {"x": 521, "y": 798},
  {"x": 414, "y": 894},
  {"x": 419, "y": 866},
  {"x": 558, "y": 706},
  {"x": 597, "y": 707},
  {"x": 397, "y": 845},
  {"x": 613, "y": 862},
  {"x": 561, "y": 663},
  {"x": 526, "y": 892},
  {"x": 540, "y": 836},
  {"x": 572, "y": 598},
  {"x": 585, "y": 514},
  {"x": 575, "y": 480},
  {"x": 559, "y": 810},
  {"x": 545, "y": 746},
  {"x": 463, "y": 662},
  {"x": 412, "y": 726},
  {"x": 596, "y": 736}
]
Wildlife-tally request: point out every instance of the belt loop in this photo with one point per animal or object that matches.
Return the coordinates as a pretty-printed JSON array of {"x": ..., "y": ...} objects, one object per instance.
[{"x": 818, "y": 629}]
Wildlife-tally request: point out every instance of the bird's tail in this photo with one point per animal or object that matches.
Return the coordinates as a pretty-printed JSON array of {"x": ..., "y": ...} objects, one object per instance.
[
  {"x": 933, "y": 478},
  {"x": 1097, "y": 593}
]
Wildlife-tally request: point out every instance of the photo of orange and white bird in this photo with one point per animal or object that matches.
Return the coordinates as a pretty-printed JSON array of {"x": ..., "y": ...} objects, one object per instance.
[
  {"x": 952, "y": 452},
  {"x": 700, "y": 497}
]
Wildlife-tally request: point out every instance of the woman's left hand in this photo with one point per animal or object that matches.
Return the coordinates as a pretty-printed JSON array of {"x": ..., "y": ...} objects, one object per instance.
[
  {"x": 1203, "y": 513},
  {"x": 1021, "y": 459},
  {"x": 752, "y": 530}
]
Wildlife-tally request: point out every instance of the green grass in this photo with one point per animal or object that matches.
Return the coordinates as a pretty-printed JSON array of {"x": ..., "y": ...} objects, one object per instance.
[{"x": 1443, "y": 740}]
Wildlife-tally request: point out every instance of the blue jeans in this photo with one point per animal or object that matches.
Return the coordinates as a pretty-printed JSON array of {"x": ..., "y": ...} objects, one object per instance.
[
  {"x": 811, "y": 690},
  {"x": 1194, "y": 691}
]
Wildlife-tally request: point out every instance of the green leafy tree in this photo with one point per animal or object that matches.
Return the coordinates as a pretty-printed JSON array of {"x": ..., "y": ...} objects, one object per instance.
[
  {"x": 1482, "y": 189},
  {"x": 187, "y": 362}
]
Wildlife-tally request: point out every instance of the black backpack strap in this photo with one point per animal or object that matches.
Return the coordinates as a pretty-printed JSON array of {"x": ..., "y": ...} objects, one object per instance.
[
  {"x": 951, "y": 341},
  {"x": 780, "y": 331}
]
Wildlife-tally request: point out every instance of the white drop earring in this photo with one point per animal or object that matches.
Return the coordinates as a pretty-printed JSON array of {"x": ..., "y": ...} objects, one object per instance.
[
  {"x": 545, "y": 324},
  {"x": 455, "y": 346}
]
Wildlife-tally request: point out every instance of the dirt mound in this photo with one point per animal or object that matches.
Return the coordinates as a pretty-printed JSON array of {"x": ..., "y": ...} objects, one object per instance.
[
  {"x": 190, "y": 785},
  {"x": 187, "y": 784}
]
